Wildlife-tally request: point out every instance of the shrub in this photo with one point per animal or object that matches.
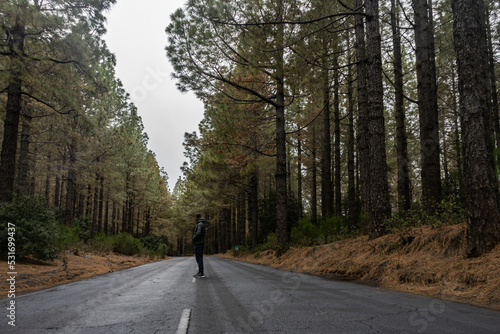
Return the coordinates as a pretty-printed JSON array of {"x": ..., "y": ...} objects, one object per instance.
[
  {"x": 162, "y": 250},
  {"x": 84, "y": 227},
  {"x": 334, "y": 228},
  {"x": 68, "y": 237},
  {"x": 449, "y": 211},
  {"x": 36, "y": 228},
  {"x": 102, "y": 243},
  {"x": 305, "y": 234},
  {"x": 152, "y": 242},
  {"x": 126, "y": 244}
]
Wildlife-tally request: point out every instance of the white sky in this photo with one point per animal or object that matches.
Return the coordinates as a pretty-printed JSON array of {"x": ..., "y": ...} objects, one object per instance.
[{"x": 136, "y": 35}]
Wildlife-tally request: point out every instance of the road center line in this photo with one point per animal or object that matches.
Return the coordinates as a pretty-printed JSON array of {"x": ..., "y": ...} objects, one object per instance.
[{"x": 184, "y": 322}]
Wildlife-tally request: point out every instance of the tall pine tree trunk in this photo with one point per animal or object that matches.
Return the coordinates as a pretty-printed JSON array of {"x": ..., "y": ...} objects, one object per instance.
[
  {"x": 427, "y": 105},
  {"x": 299, "y": 176},
  {"x": 326, "y": 147},
  {"x": 481, "y": 188},
  {"x": 106, "y": 218},
  {"x": 314, "y": 186},
  {"x": 253, "y": 205},
  {"x": 23, "y": 182},
  {"x": 101, "y": 203},
  {"x": 494, "y": 96},
  {"x": 351, "y": 193},
  {"x": 15, "y": 38},
  {"x": 95, "y": 208},
  {"x": 71, "y": 184},
  {"x": 241, "y": 228},
  {"x": 379, "y": 187},
  {"x": 234, "y": 235},
  {"x": 404, "y": 195},
  {"x": 281, "y": 191},
  {"x": 457, "y": 141},
  {"x": 337, "y": 165},
  {"x": 57, "y": 189},
  {"x": 363, "y": 136}
]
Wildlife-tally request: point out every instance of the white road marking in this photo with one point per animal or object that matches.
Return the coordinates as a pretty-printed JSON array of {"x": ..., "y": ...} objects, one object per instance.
[
  {"x": 194, "y": 280},
  {"x": 184, "y": 322}
]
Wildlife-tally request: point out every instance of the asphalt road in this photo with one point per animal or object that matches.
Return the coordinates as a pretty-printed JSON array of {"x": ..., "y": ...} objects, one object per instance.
[{"x": 235, "y": 297}]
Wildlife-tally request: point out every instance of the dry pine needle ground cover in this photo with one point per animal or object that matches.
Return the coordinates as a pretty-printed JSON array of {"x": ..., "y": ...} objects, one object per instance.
[
  {"x": 36, "y": 275},
  {"x": 422, "y": 260}
]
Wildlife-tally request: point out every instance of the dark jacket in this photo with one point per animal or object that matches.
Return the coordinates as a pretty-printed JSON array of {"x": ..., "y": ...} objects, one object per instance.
[{"x": 199, "y": 232}]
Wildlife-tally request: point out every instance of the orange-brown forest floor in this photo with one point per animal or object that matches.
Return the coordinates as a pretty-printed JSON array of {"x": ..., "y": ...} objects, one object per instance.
[
  {"x": 36, "y": 275},
  {"x": 425, "y": 260}
]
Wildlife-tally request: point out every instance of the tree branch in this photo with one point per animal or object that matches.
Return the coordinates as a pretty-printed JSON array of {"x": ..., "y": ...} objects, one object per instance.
[
  {"x": 402, "y": 93},
  {"x": 288, "y": 22},
  {"x": 47, "y": 104},
  {"x": 240, "y": 145}
]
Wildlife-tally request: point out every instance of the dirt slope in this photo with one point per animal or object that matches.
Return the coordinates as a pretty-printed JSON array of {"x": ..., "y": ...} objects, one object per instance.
[
  {"x": 423, "y": 260},
  {"x": 35, "y": 275}
]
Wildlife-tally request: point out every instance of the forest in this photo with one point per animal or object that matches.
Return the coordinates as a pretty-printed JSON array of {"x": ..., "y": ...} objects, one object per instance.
[
  {"x": 74, "y": 148},
  {"x": 323, "y": 120}
]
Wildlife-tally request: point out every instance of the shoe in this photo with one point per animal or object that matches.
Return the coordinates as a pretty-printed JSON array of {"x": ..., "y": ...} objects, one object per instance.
[{"x": 199, "y": 275}]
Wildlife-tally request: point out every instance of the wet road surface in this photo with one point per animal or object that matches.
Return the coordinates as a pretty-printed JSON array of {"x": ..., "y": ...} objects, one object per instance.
[{"x": 235, "y": 297}]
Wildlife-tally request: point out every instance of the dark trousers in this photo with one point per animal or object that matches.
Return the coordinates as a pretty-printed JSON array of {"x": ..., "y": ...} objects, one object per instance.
[{"x": 198, "y": 251}]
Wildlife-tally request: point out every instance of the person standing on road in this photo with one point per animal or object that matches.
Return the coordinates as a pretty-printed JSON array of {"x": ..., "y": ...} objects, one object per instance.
[{"x": 199, "y": 243}]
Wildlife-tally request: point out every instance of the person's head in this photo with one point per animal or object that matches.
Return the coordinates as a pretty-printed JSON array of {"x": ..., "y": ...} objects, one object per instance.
[{"x": 198, "y": 216}]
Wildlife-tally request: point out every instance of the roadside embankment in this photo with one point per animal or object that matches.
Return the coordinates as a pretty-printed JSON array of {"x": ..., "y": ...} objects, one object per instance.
[{"x": 36, "y": 275}]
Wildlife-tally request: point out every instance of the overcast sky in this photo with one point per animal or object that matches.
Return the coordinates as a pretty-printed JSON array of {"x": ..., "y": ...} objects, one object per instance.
[{"x": 136, "y": 35}]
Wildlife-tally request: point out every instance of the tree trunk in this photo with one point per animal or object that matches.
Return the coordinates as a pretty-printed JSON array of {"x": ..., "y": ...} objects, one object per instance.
[
  {"x": 379, "y": 188},
  {"x": 47, "y": 186},
  {"x": 404, "y": 195},
  {"x": 95, "y": 211},
  {"x": 253, "y": 206},
  {"x": 281, "y": 191},
  {"x": 106, "y": 218},
  {"x": 363, "y": 137},
  {"x": 493, "y": 93},
  {"x": 124, "y": 216},
  {"x": 427, "y": 105},
  {"x": 458, "y": 146},
  {"x": 89, "y": 198},
  {"x": 314, "y": 186},
  {"x": 233, "y": 227},
  {"x": 71, "y": 184},
  {"x": 23, "y": 182},
  {"x": 241, "y": 228},
  {"x": 481, "y": 188},
  {"x": 351, "y": 192},
  {"x": 81, "y": 205},
  {"x": 62, "y": 193},
  {"x": 137, "y": 234},
  {"x": 101, "y": 203},
  {"x": 15, "y": 37},
  {"x": 336, "y": 112},
  {"x": 113, "y": 219},
  {"x": 130, "y": 215},
  {"x": 299, "y": 177},
  {"x": 226, "y": 212},
  {"x": 326, "y": 147},
  {"x": 57, "y": 188},
  {"x": 289, "y": 169}
]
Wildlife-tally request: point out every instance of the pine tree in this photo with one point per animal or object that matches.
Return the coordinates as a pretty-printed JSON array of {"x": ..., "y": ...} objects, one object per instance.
[{"x": 481, "y": 188}]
